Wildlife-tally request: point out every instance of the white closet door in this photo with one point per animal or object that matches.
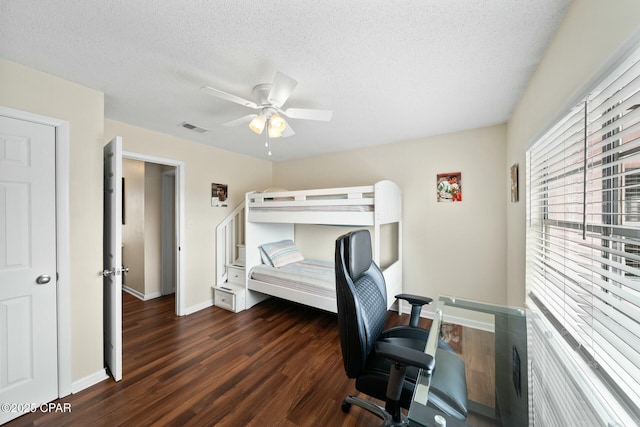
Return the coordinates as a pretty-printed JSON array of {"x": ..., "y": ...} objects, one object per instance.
[{"x": 28, "y": 326}]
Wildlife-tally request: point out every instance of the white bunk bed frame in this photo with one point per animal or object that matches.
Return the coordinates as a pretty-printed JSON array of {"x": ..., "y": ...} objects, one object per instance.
[{"x": 271, "y": 217}]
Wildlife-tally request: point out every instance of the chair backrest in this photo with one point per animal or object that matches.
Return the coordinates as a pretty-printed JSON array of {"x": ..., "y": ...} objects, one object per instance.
[{"x": 361, "y": 299}]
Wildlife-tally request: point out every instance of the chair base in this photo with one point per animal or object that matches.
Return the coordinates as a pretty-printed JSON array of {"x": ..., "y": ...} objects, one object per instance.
[{"x": 377, "y": 410}]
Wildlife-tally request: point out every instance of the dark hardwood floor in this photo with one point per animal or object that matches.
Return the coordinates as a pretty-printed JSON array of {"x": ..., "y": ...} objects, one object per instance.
[{"x": 277, "y": 364}]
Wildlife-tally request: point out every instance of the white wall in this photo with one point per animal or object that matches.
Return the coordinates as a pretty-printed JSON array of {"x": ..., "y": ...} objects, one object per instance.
[
  {"x": 590, "y": 32},
  {"x": 449, "y": 248}
]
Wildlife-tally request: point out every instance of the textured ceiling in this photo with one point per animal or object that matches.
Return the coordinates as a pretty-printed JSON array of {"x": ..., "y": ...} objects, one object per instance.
[{"x": 389, "y": 70}]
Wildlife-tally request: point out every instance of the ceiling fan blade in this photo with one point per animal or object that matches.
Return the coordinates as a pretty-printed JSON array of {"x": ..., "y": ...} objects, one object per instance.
[
  {"x": 281, "y": 89},
  {"x": 288, "y": 131},
  {"x": 240, "y": 121},
  {"x": 229, "y": 97},
  {"x": 308, "y": 114}
]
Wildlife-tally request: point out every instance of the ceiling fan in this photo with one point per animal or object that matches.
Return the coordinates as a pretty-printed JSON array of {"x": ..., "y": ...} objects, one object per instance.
[{"x": 270, "y": 97}]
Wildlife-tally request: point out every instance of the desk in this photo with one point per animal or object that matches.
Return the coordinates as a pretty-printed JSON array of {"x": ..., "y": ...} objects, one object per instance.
[{"x": 508, "y": 333}]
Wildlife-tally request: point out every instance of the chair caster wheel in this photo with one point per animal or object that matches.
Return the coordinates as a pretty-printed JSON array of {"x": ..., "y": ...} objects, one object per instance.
[{"x": 346, "y": 406}]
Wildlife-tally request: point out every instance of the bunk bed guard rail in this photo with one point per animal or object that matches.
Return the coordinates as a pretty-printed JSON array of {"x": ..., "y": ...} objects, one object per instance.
[{"x": 362, "y": 205}]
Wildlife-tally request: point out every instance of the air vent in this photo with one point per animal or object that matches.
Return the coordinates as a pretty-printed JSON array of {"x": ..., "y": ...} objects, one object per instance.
[{"x": 193, "y": 127}]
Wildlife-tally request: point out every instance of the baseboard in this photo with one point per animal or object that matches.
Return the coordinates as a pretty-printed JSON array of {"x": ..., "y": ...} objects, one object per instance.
[
  {"x": 152, "y": 295},
  {"x": 88, "y": 381},
  {"x": 133, "y": 292},
  {"x": 406, "y": 309},
  {"x": 458, "y": 320},
  {"x": 198, "y": 307},
  {"x": 143, "y": 297},
  {"x": 470, "y": 323},
  {"x": 140, "y": 295}
]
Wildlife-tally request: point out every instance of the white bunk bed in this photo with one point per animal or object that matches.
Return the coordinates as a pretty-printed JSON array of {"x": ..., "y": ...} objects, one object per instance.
[{"x": 271, "y": 217}]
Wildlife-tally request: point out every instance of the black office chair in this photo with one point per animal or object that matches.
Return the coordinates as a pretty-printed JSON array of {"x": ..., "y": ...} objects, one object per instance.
[{"x": 385, "y": 364}]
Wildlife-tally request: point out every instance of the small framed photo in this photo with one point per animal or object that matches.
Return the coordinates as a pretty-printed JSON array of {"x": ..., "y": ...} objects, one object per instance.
[
  {"x": 449, "y": 187},
  {"x": 219, "y": 195},
  {"x": 514, "y": 183}
]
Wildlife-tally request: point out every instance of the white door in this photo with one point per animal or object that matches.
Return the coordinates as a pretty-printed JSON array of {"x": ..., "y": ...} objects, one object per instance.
[
  {"x": 112, "y": 257},
  {"x": 28, "y": 324}
]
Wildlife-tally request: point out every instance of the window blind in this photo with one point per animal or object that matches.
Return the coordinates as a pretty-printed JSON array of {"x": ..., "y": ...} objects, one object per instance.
[{"x": 583, "y": 229}]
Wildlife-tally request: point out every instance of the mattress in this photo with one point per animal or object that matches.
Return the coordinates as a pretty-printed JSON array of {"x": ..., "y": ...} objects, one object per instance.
[{"x": 312, "y": 276}]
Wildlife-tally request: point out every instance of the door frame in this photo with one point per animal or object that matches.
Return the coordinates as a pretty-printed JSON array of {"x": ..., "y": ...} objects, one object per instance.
[
  {"x": 168, "y": 209},
  {"x": 179, "y": 219},
  {"x": 63, "y": 292}
]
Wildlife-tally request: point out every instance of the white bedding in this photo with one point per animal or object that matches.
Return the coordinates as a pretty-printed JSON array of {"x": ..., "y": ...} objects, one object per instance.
[{"x": 312, "y": 276}]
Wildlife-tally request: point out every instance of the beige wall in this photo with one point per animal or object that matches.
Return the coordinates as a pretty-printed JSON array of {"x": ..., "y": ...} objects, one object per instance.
[
  {"x": 142, "y": 231},
  {"x": 590, "y": 32},
  {"x": 29, "y": 90},
  {"x": 153, "y": 228},
  {"x": 133, "y": 228},
  {"x": 449, "y": 248},
  {"x": 204, "y": 165}
]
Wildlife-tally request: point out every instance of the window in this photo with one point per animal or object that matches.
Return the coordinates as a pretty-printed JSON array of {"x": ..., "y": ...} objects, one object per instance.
[{"x": 583, "y": 229}]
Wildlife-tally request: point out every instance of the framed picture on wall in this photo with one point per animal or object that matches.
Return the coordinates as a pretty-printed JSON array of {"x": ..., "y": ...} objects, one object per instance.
[
  {"x": 514, "y": 183},
  {"x": 219, "y": 194},
  {"x": 123, "y": 210},
  {"x": 449, "y": 187}
]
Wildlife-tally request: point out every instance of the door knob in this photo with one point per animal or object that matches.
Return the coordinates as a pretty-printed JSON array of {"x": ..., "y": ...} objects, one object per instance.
[
  {"x": 43, "y": 279},
  {"x": 107, "y": 273}
]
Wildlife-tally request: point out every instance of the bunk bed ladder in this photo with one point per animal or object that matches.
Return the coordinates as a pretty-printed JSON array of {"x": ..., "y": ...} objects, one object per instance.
[{"x": 229, "y": 242}]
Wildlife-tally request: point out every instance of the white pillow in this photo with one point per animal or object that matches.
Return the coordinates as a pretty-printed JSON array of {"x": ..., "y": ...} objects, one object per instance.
[
  {"x": 265, "y": 257},
  {"x": 282, "y": 253}
]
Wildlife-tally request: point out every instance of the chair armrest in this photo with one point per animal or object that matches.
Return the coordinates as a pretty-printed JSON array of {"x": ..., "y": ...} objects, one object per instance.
[
  {"x": 415, "y": 299},
  {"x": 416, "y": 302},
  {"x": 405, "y": 355}
]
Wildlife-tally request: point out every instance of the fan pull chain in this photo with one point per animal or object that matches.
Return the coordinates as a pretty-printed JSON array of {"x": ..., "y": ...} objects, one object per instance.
[{"x": 267, "y": 141}]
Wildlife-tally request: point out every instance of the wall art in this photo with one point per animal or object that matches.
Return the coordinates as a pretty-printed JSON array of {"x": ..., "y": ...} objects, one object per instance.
[
  {"x": 449, "y": 187},
  {"x": 219, "y": 195},
  {"x": 514, "y": 183}
]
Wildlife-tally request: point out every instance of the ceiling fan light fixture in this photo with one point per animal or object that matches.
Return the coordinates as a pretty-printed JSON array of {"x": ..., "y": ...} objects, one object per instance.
[
  {"x": 277, "y": 122},
  {"x": 273, "y": 132},
  {"x": 257, "y": 124},
  {"x": 270, "y": 98}
]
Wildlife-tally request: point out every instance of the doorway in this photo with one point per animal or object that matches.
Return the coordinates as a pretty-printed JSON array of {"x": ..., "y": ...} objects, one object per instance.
[
  {"x": 148, "y": 229},
  {"x": 172, "y": 180},
  {"x": 113, "y": 225}
]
